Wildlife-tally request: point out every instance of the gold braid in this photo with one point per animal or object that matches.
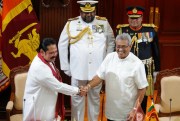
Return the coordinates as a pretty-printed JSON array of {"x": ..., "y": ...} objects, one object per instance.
[
  {"x": 77, "y": 37},
  {"x": 134, "y": 41},
  {"x": 150, "y": 88}
]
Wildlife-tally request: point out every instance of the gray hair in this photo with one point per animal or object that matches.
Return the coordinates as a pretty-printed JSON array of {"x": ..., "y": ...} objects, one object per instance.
[{"x": 124, "y": 36}]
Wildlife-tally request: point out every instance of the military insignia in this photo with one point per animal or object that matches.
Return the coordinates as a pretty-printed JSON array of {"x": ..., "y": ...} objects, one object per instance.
[
  {"x": 143, "y": 37},
  {"x": 100, "y": 28},
  {"x": 72, "y": 19},
  {"x": 149, "y": 36},
  {"x": 139, "y": 35},
  {"x": 134, "y": 10},
  {"x": 149, "y": 25},
  {"x": 88, "y": 5},
  {"x": 131, "y": 34},
  {"x": 101, "y": 18},
  {"x": 79, "y": 26},
  {"x": 94, "y": 28}
]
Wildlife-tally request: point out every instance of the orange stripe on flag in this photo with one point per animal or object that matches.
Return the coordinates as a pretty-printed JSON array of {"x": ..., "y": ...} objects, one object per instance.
[
  {"x": 11, "y": 12},
  {"x": 10, "y": 5}
]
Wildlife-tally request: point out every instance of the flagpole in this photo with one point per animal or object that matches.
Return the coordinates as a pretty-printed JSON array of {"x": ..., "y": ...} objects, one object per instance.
[
  {"x": 102, "y": 92},
  {"x": 170, "y": 109}
]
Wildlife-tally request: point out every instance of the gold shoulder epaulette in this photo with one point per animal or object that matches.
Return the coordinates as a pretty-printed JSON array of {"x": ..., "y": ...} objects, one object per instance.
[
  {"x": 121, "y": 25},
  {"x": 71, "y": 19},
  {"x": 101, "y": 18},
  {"x": 149, "y": 25}
]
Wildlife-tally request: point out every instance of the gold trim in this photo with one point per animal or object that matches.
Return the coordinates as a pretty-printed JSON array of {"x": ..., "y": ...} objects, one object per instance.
[
  {"x": 149, "y": 63},
  {"x": 134, "y": 10},
  {"x": 122, "y": 25},
  {"x": 134, "y": 16},
  {"x": 91, "y": 9},
  {"x": 78, "y": 36},
  {"x": 101, "y": 18}
]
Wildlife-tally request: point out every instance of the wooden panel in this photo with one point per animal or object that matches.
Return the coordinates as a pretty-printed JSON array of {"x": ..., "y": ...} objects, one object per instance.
[
  {"x": 53, "y": 19},
  {"x": 169, "y": 18},
  {"x": 103, "y": 9},
  {"x": 169, "y": 33},
  {"x": 170, "y": 57},
  {"x": 75, "y": 8}
]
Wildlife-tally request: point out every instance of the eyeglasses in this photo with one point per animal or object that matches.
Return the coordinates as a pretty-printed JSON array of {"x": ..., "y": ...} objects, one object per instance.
[{"x": 122, "y": 46}]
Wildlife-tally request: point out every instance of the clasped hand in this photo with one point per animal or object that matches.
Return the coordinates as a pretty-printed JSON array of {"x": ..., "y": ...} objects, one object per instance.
[{"x": 83, "y": 90}]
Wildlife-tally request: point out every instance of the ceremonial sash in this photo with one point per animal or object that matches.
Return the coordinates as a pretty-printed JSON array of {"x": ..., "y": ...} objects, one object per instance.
[{"x": 60, "y": 100}]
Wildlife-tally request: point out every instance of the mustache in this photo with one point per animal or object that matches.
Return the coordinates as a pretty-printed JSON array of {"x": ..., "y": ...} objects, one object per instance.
[{"x": 53, "y": 57}]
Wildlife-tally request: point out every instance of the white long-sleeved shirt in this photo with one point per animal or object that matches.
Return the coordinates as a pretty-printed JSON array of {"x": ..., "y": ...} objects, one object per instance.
[{"x": 41, "y": 91}]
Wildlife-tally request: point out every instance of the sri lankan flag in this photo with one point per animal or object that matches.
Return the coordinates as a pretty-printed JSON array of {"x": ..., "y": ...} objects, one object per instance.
[
  {"x": 151, "y": 114},
  {"x": 20, "y": 34},
  {"x": 4, "y": 81}
]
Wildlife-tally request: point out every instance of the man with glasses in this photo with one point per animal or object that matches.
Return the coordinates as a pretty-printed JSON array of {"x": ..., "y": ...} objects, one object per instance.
[
  {"x": 125, "y": 81},
  {"x": 89, "y": 38},
  {"x": 144, "y": 45}
]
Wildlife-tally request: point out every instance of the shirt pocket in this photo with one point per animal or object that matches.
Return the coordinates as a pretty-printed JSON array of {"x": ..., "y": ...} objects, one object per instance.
[{"x": 129, "y": 81}]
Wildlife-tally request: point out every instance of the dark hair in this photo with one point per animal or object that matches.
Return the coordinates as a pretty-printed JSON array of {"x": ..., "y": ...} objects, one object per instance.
[{"x": 45, "y": 43}]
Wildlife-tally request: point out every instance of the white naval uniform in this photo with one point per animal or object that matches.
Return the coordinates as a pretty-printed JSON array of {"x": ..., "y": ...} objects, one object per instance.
[
  {"x": 123, "y": 78},
  {"x": 41, "y": 91},
  {"x": 86, "y": 55}
]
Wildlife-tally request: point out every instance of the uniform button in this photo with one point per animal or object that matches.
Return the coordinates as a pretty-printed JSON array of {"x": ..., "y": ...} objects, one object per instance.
[
  {"x": 89, "y": 62},
  {"x": 90, "y": 53}
]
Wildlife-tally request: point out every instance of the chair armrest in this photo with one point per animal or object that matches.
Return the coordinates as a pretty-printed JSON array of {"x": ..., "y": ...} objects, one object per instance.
[
  {"x": 12, "y": 96},
  {"x": 157, "y": 107},
  {"x": 9, "y": 106}
]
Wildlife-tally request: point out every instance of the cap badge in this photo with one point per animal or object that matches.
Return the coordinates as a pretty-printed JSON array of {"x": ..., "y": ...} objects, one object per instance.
[
  {"x": 88, "y": 5},
  {"x": 134, "y": 10}
]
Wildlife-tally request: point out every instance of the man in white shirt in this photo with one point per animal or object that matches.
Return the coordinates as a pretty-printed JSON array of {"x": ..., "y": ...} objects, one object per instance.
[
  {"x": 41, "y": 99},
  {"x": 125, "y": 81},
  {"x": 89, "y": 39}
]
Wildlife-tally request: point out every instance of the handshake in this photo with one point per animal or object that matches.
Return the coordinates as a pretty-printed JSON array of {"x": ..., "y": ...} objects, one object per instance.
[{"x": 83, "y": 90}]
